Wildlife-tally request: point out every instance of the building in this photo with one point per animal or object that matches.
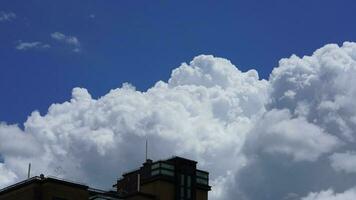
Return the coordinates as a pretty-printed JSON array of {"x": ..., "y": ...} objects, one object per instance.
[
  {"x": 172, "y": 179},
  {"x": 50, "y": 188}
]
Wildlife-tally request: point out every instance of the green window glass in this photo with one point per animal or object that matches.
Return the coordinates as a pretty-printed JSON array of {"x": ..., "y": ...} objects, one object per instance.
[
  {"x": 202, "y": 174},
  {"x": 167, "y": 172},
  {"x": 154, "y": 172},
  {"x": 189, "y": 193},
  {"x": 182, "y": 192},
  {"x": 182, "y": 179},
  {"x": 202, "y": 181},
  {"x": 155, "y": 166},
  {"x": 167, "y": 166}
]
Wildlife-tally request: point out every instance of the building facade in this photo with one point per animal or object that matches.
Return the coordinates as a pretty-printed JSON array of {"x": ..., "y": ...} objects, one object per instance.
[{"x": 172, "y": 179}]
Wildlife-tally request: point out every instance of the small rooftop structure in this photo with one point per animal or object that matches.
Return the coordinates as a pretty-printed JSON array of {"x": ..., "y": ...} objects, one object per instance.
[{"x": 177, "y": 179}]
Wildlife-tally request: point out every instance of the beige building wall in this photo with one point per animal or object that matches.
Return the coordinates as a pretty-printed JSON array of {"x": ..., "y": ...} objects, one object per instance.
[
  {"x": 28, "y": 192},
  {"x": 201, "y": 195},
  {"x": 50, "y": 190},
  {"x": 163, "y": 190},
  {"x": 46, "y": 191}
]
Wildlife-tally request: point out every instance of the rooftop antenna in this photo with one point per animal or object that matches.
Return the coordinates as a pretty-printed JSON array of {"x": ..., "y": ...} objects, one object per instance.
[
  {"x": 29, "y": 170},
  {"x": 146, "y": 149},
  {"x": 138, "y": 182}
]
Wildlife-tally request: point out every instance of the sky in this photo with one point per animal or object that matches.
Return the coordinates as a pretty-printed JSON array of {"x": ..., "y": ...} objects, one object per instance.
[
  {"x": 141, "y": 42},
  {"x": 269, "y": 83}
]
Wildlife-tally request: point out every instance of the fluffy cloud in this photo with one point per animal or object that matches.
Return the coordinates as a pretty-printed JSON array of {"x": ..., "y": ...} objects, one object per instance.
[
  {"x": 67, "y": 39},
  {"x": 31, "y": 45},
  {"x": 93, "y": 140},
  {"x": 317, "y": 88},
  {"x": 277, "y": 139},
  {"x": 344, "y": 162},
  {"x": 279, "y": 132},
  {"x": 7, "y": 16},
  {"x": 310, "y": 114}
]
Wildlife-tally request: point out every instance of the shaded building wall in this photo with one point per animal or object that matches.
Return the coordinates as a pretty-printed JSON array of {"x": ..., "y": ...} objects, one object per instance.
[
  {"x": 163, "y": 190},
  {"x": 51, "y": 190},
  {"x": 29, "y": 192},
  {"x": 201, "y": 195},
  {"x": 46, "y": 191}
]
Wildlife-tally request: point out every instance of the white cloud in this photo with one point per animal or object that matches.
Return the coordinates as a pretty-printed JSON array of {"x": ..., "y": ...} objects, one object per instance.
[
  {"x": 259, "y": 139},
  {"x": 203, "y": 121},
  {"x": 331, "y": 195},
  {"x": 31, "y": 45},
  {"x": 7, "y": 16},
  {"x": 67, "y": 39},
  {"x": 344, "y": 162},
  {"x": 319, "y": 84},
  {"x": 7, "y": 177},
  {"x": 309, "y": 115},
  {"x": 279, "y": 132},
  {"x": 58, "y": 36}
]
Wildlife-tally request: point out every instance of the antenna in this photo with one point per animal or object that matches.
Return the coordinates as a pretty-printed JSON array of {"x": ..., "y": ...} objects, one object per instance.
[
  {"x": 29, "y": 170},
  {"x": 146, "y": 149},
  {"x": 138, "y": 182}
]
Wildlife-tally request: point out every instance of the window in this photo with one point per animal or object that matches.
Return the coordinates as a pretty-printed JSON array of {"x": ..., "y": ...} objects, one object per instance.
[
  {"x": 202, "y": 177},
  {"x": 155, "y": 166},
  {"x": 161, "y": 168},
  {"x": 202, "y": 181},
  {"x": 185, "y": 187},
  {"x": 202, "y": 174},
  {"x": 167, "y": 166},
  {"x": 182, "y": 192},
  {"x": 182, "y": 179},
  {"x": 154, "y": 172},
  {"x": 167, "y": 172}
]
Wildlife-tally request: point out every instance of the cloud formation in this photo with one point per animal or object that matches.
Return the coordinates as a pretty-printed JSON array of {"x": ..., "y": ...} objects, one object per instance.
[
  {"x": 281, "y": 138},
  {"x": 68, "y": 40},
  {"x": 344, "y": 161},
  {"x": 31, "y": 45},
  {"x": 7, "y": 16}
]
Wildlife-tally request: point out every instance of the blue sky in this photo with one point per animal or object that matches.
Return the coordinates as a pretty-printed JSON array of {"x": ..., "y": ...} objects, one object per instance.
[{"x": 140, "y": 42}]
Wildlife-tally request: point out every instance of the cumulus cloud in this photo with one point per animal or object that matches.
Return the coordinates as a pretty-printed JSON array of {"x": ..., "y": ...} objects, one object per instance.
[
  {"x": 276, "y": 138},
  {"x": 67, "y": 39},
  {"x": 344, "y": 162},
  {"x": 203, "y": 121},
  {"x": 7, "y": 16},
  {"x": 31, "y": 45},
  {"x": 279, "y": 132},
  {"x": 319, "y": 84}
]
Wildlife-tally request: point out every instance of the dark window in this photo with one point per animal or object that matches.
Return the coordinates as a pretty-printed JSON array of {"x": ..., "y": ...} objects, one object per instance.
[
  {"x": 185, "y": 187},
  {"x": 162, "y": 169},
  {"x": 202, "y": 178}
]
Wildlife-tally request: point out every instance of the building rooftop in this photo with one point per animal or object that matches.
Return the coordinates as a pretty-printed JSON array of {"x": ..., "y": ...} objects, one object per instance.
[{"x": 42, "y": 179}]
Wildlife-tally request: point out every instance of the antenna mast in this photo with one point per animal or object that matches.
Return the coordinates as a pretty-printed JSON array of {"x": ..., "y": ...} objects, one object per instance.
[
  {"x": 146, "y": 149},
  {"x": 29, "y": 170}
]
